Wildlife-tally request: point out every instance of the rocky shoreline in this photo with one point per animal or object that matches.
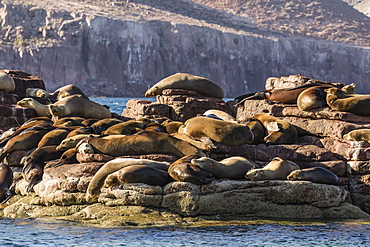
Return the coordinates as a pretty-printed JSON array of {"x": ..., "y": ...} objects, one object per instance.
[{"x": 62, "y": 192}]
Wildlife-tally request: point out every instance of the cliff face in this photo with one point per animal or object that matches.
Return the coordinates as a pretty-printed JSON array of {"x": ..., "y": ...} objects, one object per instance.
[{"x": 123, "y": 56}]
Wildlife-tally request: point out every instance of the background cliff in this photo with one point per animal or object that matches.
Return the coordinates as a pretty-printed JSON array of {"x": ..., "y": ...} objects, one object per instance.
[{"x": 120, "y": 48}]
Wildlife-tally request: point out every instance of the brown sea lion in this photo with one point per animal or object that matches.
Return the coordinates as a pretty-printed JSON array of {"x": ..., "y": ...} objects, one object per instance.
[
  {"x": 358, "y": 135},
  {"x": 233, "y": 167},
  {"x": 145, "y": 142},
  {"x": 106, "y": 123},
  {"x": 25, "y": 141},
  {"x": 173, "y": 127},
  {"x": 66, "y": 91},
  {"x": 34, "y": 164},
  {"x": 279, "y": 131},
  {"x": 68, "y": 157},
  {"x": 40, "y": 109},
  {"x": 259, "y": 131},
  {"x": 127, "y": 128},
  {"x": 69, "y": 121},
  {"x": 314, "y": 174},
  {"x": 155, "y": 127},
  {"x": 340, "y": 101},
  {"x": 205, "y": 144},
  {"x": 312, "y": 98},
  {"x": 6, "y": 180},
  {"x": 37, "y": 92},
  {"x": 97, "y": 181},
  {"x": 349, "y": 89},
  {"x": 7, "y": 83},
  {"x": 79, "y": 106},
  {"x": 138, "y": 174},
  {"x": 53, "y": 137},
  {"x": 224, "y": 132},
  {"x": 183, "y": 170},
  {"x": 277, "y": 169},
  {"x": 187, "y": 82},
  {"x": 220, "y": 114},
  {"x": 71, "y": 142},
  {"x": 81, "y": 131}
]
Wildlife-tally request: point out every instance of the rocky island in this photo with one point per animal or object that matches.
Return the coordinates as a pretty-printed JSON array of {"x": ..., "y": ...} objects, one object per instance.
[{"x": 61, "y": 191}]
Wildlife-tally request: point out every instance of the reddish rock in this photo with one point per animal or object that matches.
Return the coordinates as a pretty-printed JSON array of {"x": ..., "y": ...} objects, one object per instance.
[{"x": 23, "y": 81}]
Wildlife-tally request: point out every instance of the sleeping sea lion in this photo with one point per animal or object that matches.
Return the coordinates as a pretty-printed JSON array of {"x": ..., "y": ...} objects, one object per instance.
[
  {"x": 358, "y": 135},
  {"x": 97, "y": 181},
  {"x": 315, "y": 175},
  {"x": 66, "y": 91},
  {"x": 187, "y": 82},
  {"x": 127, "y": 128},
  {"x": 40, "y": 109},
  {"x": 224, "y": 132},
  {"x": 233, "y": 167},
  {"x": 183, "y": 170},
  {"x": 340, "y": 101},
  {"x": 37, "y": 92},
  {"x": 312, "y": 98},
  {"x": 6, "y": 180},
  {"x": 277, "y": 169},
  {"x": 220, "y": 114}
]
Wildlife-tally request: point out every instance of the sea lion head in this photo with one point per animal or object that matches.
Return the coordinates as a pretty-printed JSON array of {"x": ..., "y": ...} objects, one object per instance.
[
  {"x": 255, "y": 174},
  {"x": 58, "y": 110},
  {"x": 85, "y": 148},
  {"x": 295, "y": 175},
  {"x": 153, "y": 91},
  {"x": 110, "y": 181},
  {"x": 25, "y": 102}
]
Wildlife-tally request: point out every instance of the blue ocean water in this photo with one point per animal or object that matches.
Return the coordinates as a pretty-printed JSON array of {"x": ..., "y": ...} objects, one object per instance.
[{"x": 40, "y": 232}]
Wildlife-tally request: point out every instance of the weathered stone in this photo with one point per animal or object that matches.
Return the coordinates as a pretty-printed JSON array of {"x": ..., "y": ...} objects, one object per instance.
[
  {"x": 359, "y": 187},
  {"x": 359, "y": 167},
  {"x": 7, "y": 98}
]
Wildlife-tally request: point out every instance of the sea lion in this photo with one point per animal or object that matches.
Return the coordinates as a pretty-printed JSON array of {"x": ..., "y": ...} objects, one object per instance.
[
  {"x": 358, "y": 135},
  {"x": 258, "y": 130},
  {"x": 37, "y": 92},
  {"x": 145, "y": 142},
  {"x": 68, "y": 157},
  {"x": 314, "y": 174},
  {"x": 187, "y": 82},
  {"x": 127, "y": 128},
  {"x": 69, "y": 121},
  {"x": 34, "y": 164},
  {"x": 173, "y": 127},
  {"x": 340, "y": 101},
  {"x": 97, "y": 181},
  {"x": 279, "y": 131},
  {"x": 82, "y": 131},
  {"x": 40, "y": 109},
  {"x": 78, "y": 106},
  {"x": 104, "y": 124},
  {"x": 7, "y": 83},
  {"x": 224, "y": 132},
  {"x": 183, "y": 170},
  {"x": 204, "y": 144},
  {"x": 221, "y": 114},
  {"x": 138, "y": 174},
  {"x": 25, "y": 141},
  {"x": 66, "y": 91},
  {"x": 349, "y": 89},
  {"x": 233, "y": 167},
  {"x": 277, "y": 169},
  {"x": 84, "y": 148},
  {"x": 53, "y": 137},
  {"x": 8, "y": 133},
  {"x": 281, "y": 95},
  {"x": 155, "y": 127},
  {"x": 71, "y": 142},
  {"x": 6, "y": 180},
  {"x": 312, "y": 98}
]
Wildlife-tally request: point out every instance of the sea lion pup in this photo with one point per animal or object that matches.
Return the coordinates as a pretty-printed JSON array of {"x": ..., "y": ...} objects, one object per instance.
[
  {"x": 37, "y": 92},
  {"x": 172, "y": 127},
  {"x": 7, "y": 83},
  {"x": 97, "y": 181},
  {"x": 279, "y": 131},
  {"x": 138, "y": 174},
  {"x": 69, "y": 121},
  {"x": 183, "y": 170},
  {"x": 277, "y": 169},
  {"x": 358, "y": 135},
  {"x": 233, "y": 167},
  {"x": 25, "y": 141},
  {"x": 127, "y": 128},
  {"x": 221, "y": 114},
  {"x": 71, "y": 142},
  {"x": 189, "y": 82},
  {"x": 53, "y": 137},
  {"x": 79, "y": 106},
  {"x": 315, "y": 175},
  {"x": 34, "y": 164},
  {"x": 66, "y": 91},
  {"x": 224, "y": 132},
  {"x": 40, "y": 109},
  {"x": 144, "y": 142},
  {"x": 6, "y": 180},
  {"x": 312, "y": 98},
  {"x": 206, "y": 144},
  {"x": 340, "y": 101}
]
